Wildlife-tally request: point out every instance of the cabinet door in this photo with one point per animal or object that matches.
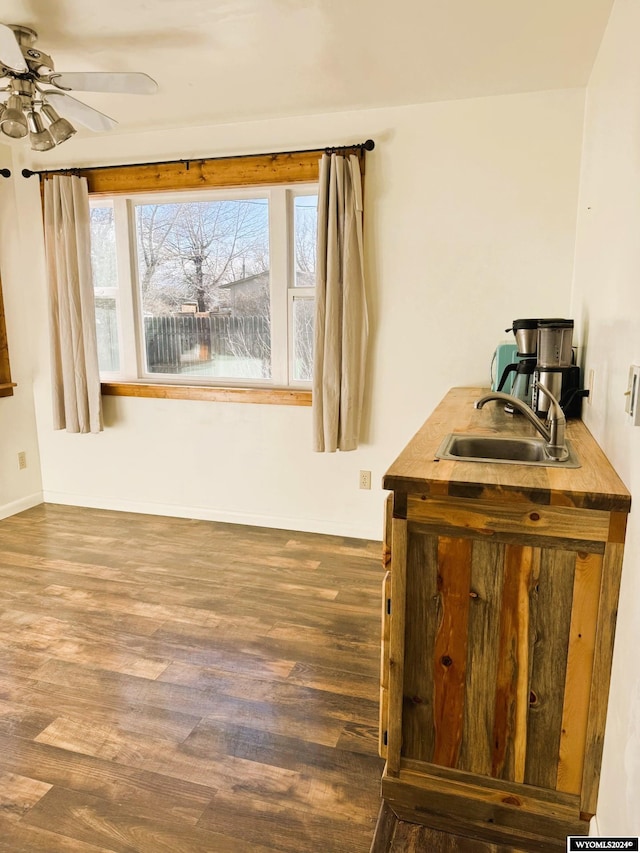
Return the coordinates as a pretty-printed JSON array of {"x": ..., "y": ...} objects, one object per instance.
[
  {"x": 384, "y": 664},
  {"x": 385, "y": 628},
  {"x": 498, "y": 651}
]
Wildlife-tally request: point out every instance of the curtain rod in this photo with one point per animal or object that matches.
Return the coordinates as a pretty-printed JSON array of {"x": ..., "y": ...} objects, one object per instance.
[{"x": 369, "y": 145}]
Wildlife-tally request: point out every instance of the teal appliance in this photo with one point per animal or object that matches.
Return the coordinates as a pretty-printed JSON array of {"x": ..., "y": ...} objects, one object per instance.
[
  {"x": 517, "y": 376},
  {"x": 504, "y": 356}
]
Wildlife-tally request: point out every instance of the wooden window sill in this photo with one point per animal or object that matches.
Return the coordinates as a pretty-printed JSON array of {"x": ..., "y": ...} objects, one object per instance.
[
  {"x": 6, "y": 389},
  {"x": 271, "y": 396}
]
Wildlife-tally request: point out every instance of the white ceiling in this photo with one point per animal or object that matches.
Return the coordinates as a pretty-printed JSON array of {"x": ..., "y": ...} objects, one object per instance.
[{"x": 228, "y": 60}]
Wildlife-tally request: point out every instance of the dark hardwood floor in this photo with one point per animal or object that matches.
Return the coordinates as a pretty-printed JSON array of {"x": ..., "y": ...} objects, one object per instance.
[{"x": 180, "y": 686}]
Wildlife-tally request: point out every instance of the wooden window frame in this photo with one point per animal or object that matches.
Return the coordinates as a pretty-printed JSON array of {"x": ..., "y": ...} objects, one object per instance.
[{"x": 6, "y": 385}]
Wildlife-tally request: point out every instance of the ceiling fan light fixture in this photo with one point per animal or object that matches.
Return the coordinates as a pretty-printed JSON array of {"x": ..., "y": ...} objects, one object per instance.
[
  {"x": 13, "y": 122},
  {"x": 59, "y": 128},
  {"x": 33, "y": 85},
  {"x": 39, "y": 136}
]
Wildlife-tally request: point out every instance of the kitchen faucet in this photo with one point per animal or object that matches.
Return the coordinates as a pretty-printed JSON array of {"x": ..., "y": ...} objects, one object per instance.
[{"x": 552, "y": 431}]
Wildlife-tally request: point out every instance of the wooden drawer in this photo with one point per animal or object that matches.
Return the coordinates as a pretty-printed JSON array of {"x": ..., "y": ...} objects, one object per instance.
[{"x": 568, "y": 524}]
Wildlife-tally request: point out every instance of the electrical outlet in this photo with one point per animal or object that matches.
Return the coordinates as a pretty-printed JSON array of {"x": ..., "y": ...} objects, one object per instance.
[
  {"x": 22, "y": 460},
  {"x": 365, "y": 479},
  {"x": 591, "y": 385}
]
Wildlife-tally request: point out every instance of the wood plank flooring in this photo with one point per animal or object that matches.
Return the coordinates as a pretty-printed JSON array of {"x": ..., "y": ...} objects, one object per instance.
[{"x": 180, "y": 686}]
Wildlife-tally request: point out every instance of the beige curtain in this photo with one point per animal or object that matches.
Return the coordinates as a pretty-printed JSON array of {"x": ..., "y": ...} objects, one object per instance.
[
  {"x": 77, "y": 404},
  {"x": 341, "y": 325}
]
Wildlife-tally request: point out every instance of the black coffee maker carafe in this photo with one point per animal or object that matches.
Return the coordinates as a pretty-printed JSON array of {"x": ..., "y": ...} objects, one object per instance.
[{"x": 526, "y": 335}]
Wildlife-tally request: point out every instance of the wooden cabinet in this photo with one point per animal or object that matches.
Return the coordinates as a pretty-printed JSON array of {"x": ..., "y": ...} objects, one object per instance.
[{"x": 498, "y": 625}]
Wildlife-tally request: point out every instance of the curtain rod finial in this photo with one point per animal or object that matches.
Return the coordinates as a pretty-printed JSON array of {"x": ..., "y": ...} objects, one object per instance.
[
  {"x": 27, "y": 173},
  {"x": 6, "y": 173},
  {"x": 369, "y": 145}
]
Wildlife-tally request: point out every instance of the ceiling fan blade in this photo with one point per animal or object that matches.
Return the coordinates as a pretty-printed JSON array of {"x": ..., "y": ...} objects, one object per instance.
[
  {"x": 10, "y": 53},
  {"x": 121, "y": 82},
  {"x": 77, "y": 111}
]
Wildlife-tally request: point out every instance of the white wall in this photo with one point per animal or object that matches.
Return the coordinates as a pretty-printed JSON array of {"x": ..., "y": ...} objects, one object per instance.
[
  {"x": 470, "y": 223},
  {"x": 606, "y": 303},
  {"x": 19, "y": 489}
]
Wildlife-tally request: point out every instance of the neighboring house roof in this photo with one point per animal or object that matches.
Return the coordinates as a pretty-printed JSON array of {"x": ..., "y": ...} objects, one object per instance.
[
  {"x": 305, "y": 279},
  {"x": 258, "y": 278}
]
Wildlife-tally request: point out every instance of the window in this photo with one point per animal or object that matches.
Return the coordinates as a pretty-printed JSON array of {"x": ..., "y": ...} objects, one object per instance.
[
  {"x": 208, "y": 287},
  {"x": 283, "y": 184},
  {"x": 305, "y": 229},
  {"x": 105, "y": 282}
]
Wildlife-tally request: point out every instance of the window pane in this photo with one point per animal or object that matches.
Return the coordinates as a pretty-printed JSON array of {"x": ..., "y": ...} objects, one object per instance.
[
  {"x": 305, "y": 218},
  {"x": 103, "y": 247},
  {"x": 303, "y": 317},
  {"x": 105, "y": 275},
  {"x": 203, "y": 277},
  {"x": 107, "y": 335}
]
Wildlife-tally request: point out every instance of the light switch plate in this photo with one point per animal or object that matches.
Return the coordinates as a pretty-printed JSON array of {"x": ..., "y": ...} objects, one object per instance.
[{"x": 632, "y": 404}]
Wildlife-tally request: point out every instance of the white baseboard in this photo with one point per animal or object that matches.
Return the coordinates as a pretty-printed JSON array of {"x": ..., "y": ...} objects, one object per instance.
[
  {"x": 310, "y": 525},
  {"x": 19, "y": 506}
]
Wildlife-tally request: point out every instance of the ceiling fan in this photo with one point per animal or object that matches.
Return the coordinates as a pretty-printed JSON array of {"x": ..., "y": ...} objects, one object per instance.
[{"x": 33, "y": 89}]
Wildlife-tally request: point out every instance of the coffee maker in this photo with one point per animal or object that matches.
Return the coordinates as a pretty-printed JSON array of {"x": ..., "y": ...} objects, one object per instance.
[
  {"x": 526, "y": 332},
  {"x": 546, "y": 355},
  {"x": 555, "y": 368}
]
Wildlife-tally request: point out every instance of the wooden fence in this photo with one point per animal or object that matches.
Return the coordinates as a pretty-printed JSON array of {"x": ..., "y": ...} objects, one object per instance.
[{"x": 177, "y": 342}]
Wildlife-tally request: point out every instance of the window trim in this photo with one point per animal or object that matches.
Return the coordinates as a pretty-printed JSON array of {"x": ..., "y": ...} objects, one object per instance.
[
  {"x": 212, "y": 393},
  {"x": 216, "y": 173}
]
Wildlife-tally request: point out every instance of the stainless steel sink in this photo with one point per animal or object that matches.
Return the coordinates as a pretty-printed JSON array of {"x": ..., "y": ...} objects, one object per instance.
[{"x": 512, "y": 450}]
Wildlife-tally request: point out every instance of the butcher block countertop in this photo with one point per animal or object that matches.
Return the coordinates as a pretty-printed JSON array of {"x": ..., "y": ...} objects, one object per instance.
[{"x": 595, "y": 485}]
